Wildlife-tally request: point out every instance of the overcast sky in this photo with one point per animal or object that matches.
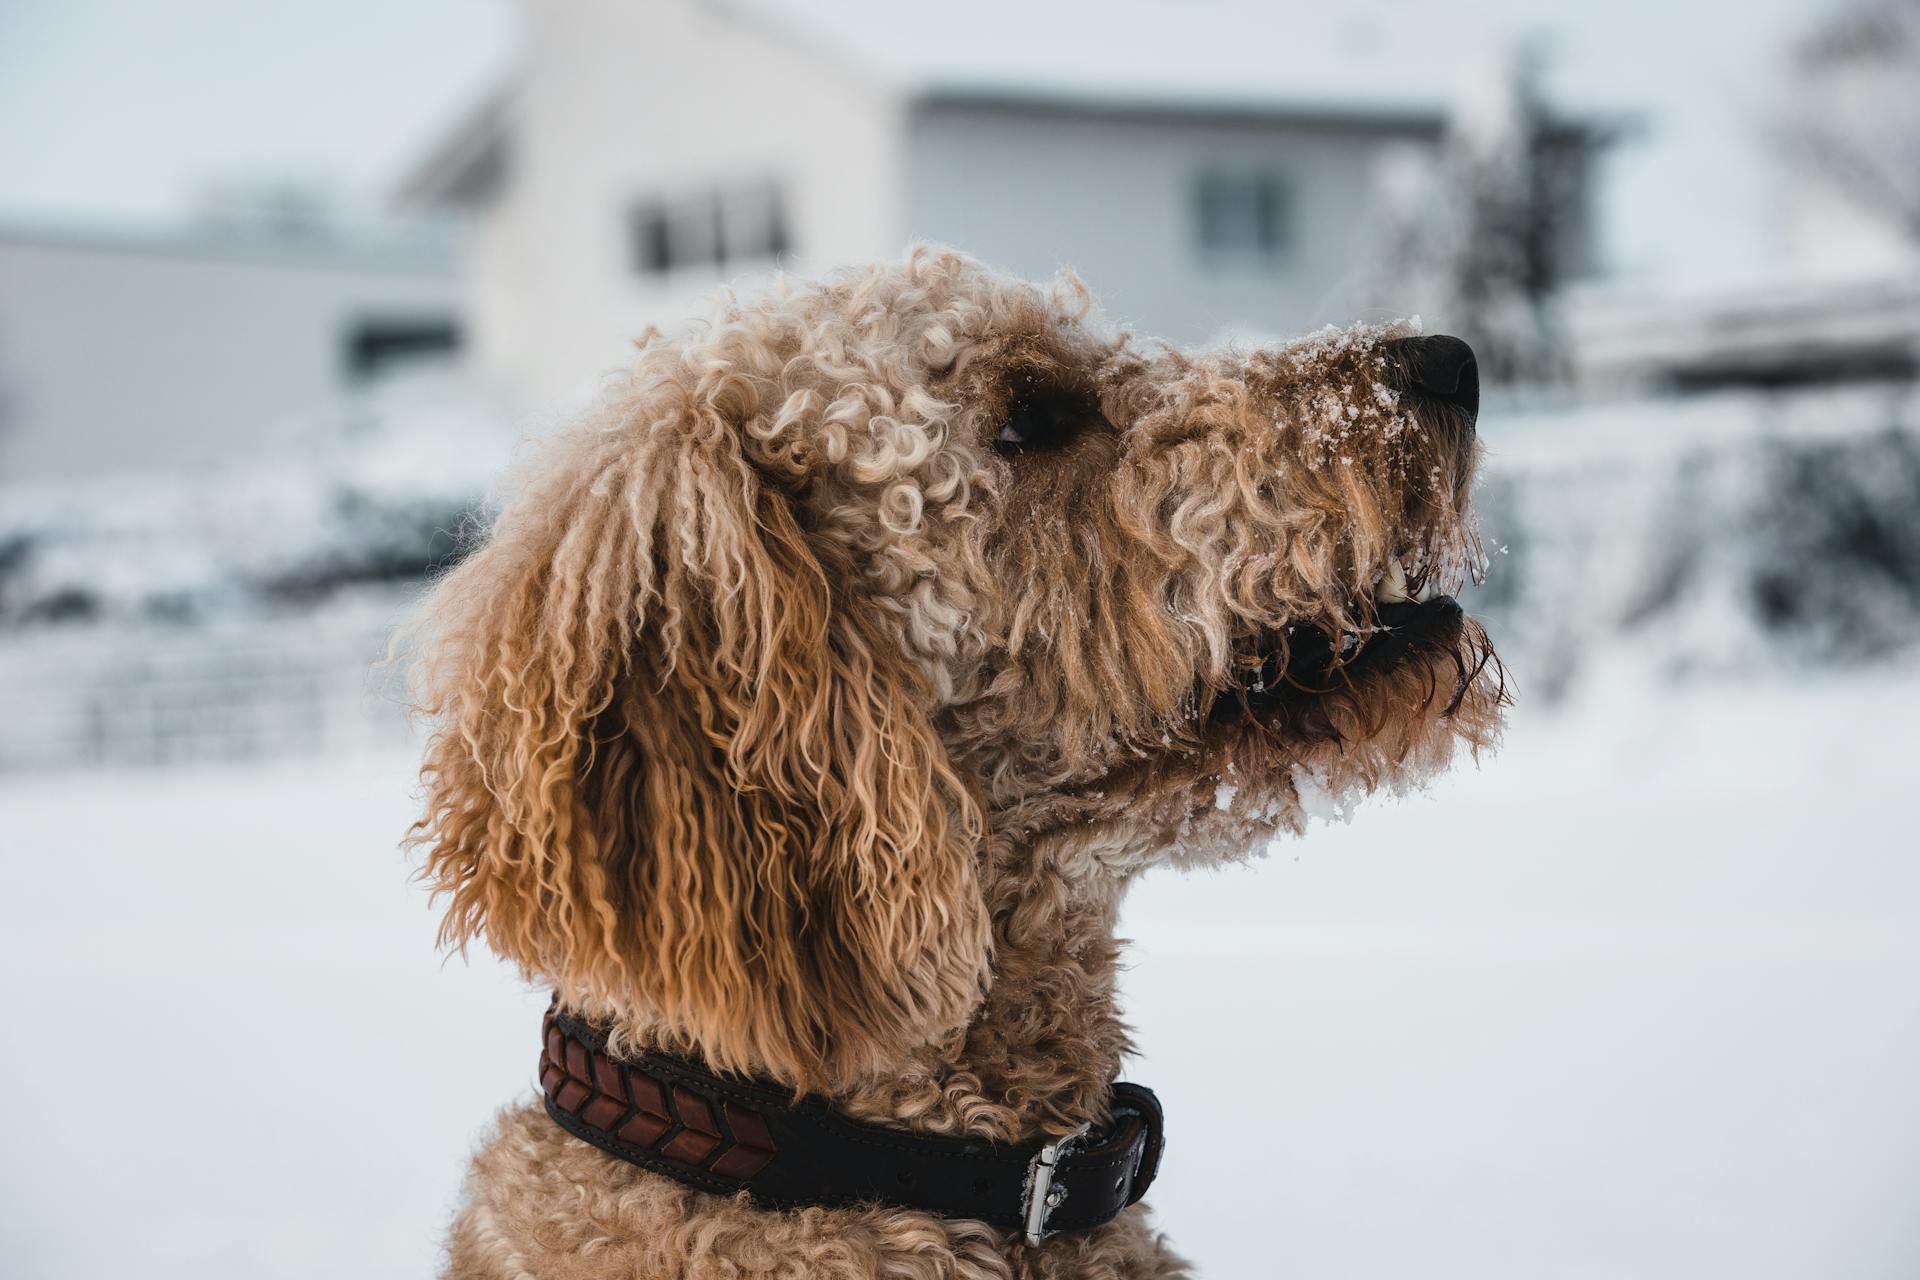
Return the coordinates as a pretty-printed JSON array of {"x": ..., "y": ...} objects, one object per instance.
[
  {"x": 115, "y": 110},
  {"x": 131, "y": 108}
]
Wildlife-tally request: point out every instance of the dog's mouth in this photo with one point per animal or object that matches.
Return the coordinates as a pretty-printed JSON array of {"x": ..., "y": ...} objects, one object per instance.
[
  {"x": 1282, "y": 673},
  {"x": 1306, "y": 660}
]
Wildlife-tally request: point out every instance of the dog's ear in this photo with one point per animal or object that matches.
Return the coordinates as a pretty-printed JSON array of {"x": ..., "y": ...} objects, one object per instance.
[{"x": 676, "y": 775}]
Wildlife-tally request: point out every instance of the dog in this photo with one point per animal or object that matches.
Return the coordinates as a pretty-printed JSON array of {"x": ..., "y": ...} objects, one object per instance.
[{"x": 812, "y": 704}]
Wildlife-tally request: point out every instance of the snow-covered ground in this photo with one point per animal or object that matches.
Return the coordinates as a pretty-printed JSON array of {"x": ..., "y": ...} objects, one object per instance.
[{"x": 1635, "y": 999}]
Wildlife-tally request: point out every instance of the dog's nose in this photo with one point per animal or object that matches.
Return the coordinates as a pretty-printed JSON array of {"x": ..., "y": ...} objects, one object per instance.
[{"x": 1443, "y": 367}]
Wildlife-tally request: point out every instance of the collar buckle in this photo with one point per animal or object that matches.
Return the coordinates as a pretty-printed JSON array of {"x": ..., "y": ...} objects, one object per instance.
[{"x": 1042, "y": 1196}]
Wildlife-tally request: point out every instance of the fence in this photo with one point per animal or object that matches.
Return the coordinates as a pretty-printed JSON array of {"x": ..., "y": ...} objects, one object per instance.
[{"x": 234, "y": 689}]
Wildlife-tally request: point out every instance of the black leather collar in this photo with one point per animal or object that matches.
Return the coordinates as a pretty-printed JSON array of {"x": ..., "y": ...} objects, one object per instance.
[{"x": 725, "y": 1134}]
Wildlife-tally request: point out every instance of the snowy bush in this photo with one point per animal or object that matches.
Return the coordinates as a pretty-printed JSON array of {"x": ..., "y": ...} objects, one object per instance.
[
  {"x": 1708, "y": 534},
  {"x": 387, "y": 502},
  {"x": 1837, "y": 555}
]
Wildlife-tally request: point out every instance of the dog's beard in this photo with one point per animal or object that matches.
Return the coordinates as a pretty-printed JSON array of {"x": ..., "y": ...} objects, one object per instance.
[
  {"x": 1315, "y": 721},
  {"x": 1307, "y": 685}
]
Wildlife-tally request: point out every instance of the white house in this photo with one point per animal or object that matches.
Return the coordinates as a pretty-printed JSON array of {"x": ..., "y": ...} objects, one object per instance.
[
  {"x": 648, "y": 149},
  {"x": 123, "y": 350}
]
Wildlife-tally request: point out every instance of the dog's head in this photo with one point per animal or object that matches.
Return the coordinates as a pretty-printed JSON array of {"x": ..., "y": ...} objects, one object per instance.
[{"x": 864, "y": 573}]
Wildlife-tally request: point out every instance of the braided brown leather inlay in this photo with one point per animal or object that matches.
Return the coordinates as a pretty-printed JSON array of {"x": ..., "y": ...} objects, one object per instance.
[{"x": 621, "y": 1099}]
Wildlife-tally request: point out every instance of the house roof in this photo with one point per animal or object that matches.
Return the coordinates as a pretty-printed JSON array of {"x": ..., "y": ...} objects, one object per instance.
[
  {"x": 1380, "y": 67},
  {"x": 1191, "y": 109},
  {"x": 1777, "y": 331},
  {"x": 425, "y": 249},
  {"x": 1361, "y": 57},
  {"x": 467, "y": 161},
  {"x": 463, "y": 166}
]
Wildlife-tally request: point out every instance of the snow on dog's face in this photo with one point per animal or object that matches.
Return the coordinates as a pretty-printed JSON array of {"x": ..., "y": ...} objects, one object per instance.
[
  {"x": 864, "y": 574},
  {"x": 1221, "y": 579}
]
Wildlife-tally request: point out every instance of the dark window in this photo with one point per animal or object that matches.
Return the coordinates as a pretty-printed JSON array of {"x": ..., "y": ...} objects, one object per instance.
[
  {"x": 712, "y": 230},
  {"x": 652, "y": 252},
  {"x": 1242, "y": 216},
  {"x": 374, "y": 346}
]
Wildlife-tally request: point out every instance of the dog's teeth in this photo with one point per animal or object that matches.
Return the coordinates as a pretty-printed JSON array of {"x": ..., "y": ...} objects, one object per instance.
[{"x": 1393, "y": 584}]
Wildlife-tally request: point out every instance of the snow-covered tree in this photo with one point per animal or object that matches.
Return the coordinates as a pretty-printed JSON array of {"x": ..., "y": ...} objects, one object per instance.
[{"x": 1856, "y": 113}]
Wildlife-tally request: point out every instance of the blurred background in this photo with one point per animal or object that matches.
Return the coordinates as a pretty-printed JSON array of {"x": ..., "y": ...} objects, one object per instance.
[{"x": 282, "y": 285}]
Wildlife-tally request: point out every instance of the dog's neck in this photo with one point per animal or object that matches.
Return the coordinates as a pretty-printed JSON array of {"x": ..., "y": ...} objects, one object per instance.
[
  {"x": 1047, "y": 1042},
  {"x": 1042, "y": 1050}
]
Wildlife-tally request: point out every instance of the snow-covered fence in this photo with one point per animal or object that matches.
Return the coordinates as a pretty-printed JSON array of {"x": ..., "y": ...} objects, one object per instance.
[{"x": 160, "y": 693}]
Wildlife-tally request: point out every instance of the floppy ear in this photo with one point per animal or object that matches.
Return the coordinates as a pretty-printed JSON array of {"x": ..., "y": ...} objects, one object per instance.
[{"x": 675, "y": 774}]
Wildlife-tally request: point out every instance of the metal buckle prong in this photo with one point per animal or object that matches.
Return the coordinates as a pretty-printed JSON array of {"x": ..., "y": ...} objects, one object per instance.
[{"x": 1042, "y": 1196}]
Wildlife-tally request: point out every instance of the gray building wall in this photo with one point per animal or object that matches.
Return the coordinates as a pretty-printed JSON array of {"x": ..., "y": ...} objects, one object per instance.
[
  {"x": 1032, "y": 187},
  {"x": 127, "y": 353}
]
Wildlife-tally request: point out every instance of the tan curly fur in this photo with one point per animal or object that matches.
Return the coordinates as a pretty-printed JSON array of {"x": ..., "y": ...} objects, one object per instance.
[{"x": 792, "y": 719}]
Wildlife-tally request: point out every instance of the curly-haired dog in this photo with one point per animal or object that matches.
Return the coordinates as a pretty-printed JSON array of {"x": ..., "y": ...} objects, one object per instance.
[{"x": 812, "y": 706}]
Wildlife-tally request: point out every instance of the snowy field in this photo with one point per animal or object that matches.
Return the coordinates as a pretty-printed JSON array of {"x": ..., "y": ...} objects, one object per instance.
[{"x": 1636, "y": 999}]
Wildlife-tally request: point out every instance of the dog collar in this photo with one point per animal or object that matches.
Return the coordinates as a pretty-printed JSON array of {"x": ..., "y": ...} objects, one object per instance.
[{"x": 725, "y": 1134}]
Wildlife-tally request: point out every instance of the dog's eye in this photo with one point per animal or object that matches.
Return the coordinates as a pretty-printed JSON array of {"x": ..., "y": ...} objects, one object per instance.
[{"x": 1044, "y": 416}]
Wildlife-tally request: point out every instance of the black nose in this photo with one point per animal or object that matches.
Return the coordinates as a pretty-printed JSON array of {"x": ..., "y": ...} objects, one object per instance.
[{"x": 1443, "y": 367}]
